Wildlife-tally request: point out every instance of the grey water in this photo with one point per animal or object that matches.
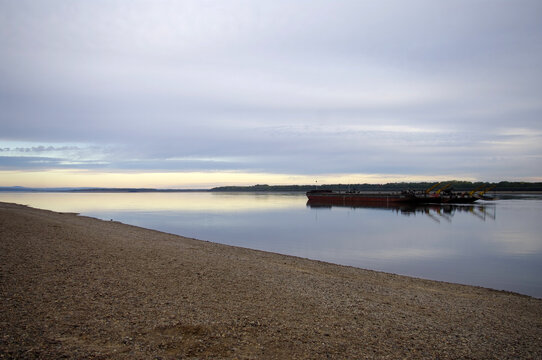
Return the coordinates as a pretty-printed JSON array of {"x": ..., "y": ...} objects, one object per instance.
[{"x": 495, "y": 244}]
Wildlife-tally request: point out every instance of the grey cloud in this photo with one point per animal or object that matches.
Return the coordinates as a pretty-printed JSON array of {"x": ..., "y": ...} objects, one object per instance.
[
  {"x": 288, "y": 86},
  {"x": 39, "y": 149},
  {"x": 45, "y": 163}
]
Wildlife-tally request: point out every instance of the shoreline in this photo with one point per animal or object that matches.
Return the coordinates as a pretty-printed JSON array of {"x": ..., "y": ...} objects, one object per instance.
[
  {"x": 81, "y": 287},
  {"x": 16, "y": 189}
]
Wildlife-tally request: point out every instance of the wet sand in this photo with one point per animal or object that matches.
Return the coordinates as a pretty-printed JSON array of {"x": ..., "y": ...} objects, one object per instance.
[{"x": 78, "y": 287}]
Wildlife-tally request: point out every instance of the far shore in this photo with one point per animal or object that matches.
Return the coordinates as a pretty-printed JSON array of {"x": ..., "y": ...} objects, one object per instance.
[
  {"x": 79, "y": 287},
  {"x": 501, "y": 187}
]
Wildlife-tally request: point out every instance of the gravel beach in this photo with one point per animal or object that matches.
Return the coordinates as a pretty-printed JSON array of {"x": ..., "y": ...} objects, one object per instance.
[{"x": 81, "y": 288}]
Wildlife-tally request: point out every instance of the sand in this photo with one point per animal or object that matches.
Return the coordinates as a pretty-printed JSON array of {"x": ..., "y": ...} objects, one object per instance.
[{"x": 78, "y": 287}]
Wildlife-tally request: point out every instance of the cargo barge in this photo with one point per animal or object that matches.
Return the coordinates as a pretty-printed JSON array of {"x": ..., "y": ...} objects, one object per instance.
[{"x": 357, "y": 198}]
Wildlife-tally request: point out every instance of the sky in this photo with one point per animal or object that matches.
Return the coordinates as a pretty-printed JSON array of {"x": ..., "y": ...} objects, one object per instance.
[{"x": 196, "y": 94}]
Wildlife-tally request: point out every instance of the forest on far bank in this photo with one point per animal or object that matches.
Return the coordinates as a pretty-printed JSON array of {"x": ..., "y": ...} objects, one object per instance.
[{"x": 454, "y": 185}]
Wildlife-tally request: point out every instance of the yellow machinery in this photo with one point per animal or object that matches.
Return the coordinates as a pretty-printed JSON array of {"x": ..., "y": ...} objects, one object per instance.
[
  {"x": 443, "y": 188},
  {"x": 476, "y": 190},
  {"x": 486, "y": 190},
  {"x": 432, "y": 187}
]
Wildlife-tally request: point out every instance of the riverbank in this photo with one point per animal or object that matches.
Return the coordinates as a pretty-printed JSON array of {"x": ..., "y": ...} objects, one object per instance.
[{"x": 79, "y": 287}]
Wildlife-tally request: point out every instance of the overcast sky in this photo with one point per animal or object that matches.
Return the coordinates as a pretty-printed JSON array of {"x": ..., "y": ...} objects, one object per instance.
[{"x": 298, "y": 90}]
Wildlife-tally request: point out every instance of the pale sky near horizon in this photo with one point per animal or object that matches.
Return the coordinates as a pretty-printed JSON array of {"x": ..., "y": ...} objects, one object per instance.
[{"x": 208, "y": 93}]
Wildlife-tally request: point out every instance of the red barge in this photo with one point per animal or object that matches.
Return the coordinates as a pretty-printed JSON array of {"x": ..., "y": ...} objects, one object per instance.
[{"x": 358, "y": 198}]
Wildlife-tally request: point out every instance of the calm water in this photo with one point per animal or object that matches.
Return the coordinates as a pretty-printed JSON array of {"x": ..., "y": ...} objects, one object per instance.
[{"x": 493, "y": 244}]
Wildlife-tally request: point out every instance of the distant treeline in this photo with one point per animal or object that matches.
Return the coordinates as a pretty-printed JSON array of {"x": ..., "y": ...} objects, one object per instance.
[
  {"x": 455, "y": 185},
  {"x": 90, "y": 190},
  {"x": 129, "y": 190}
]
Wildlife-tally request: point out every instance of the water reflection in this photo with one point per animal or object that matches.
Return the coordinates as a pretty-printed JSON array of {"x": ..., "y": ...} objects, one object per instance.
[
  {"x": 436, "y": 212},
  {"x": 177, "y": 201}
]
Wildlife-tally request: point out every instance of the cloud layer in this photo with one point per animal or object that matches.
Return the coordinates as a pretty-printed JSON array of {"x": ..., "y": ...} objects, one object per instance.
[{"x": 306, "y": 87}]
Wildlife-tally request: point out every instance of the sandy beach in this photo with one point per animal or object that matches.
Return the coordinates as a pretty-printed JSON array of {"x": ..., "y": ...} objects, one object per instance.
[{"x": 77, "y": 287}]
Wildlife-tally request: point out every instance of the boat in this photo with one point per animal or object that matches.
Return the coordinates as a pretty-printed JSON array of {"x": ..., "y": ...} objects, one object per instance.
[
  {"x": 352, "y": 198},
  {"x": 361, "y": 198}
]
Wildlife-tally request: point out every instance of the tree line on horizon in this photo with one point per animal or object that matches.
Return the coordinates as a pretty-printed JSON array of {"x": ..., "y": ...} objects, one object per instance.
[
  {"x": 400, "y": 186},
  {"x": 455, "y": 185}
]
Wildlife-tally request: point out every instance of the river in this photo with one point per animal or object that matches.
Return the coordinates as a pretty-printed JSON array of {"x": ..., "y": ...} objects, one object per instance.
[{"x": 495, "y": 244}]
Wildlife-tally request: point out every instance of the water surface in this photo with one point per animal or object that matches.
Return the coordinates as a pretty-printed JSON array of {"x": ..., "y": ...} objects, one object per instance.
[{"x": 492, "y": 244}]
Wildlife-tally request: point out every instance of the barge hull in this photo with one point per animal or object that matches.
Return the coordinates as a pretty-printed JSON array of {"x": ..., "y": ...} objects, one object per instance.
[
  {"x": 383, "y": 199},
  {"x": 350, "y": 199}
]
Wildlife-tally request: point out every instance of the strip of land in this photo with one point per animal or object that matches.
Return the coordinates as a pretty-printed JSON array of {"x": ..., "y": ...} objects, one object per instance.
[{"x": 78, "y": 287}]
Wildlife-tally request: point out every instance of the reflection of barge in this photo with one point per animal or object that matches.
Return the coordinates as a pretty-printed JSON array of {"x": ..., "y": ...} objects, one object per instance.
[
  {"x": 434, "y": 211},
  {"x": 353, "y": 198}
]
